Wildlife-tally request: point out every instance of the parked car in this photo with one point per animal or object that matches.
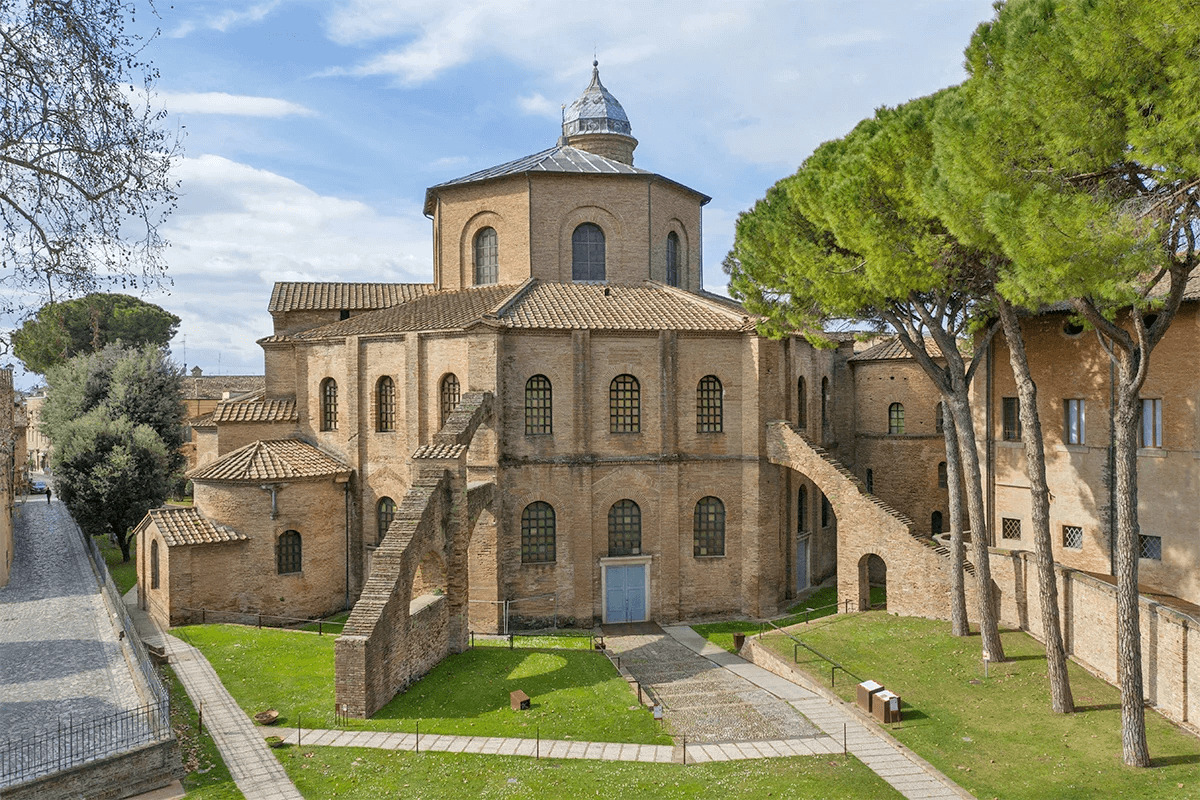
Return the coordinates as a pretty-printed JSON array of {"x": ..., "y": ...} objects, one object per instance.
[{"x": 39, "y": 487}]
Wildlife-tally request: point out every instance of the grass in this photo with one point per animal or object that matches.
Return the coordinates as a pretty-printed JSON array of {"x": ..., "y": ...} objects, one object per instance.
[
  {"x": 363, "y": 773},
  {"x": 822, "y": 601},
  {"x": 576, "y": 694},
  {"x": 997, "y": 737},
  {"x": 560, "y": 640},
  {"x": 124, "y": 573},
  {"x": 332, "y": 624},
  {"x": 208, "y": 778}
]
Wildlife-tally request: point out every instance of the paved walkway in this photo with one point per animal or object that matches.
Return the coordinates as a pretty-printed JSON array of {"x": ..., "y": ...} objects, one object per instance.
[{"x": 60, "y": 656}]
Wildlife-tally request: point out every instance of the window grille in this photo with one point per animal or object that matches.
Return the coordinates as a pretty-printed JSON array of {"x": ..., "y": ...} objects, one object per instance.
[
  {"x": 896, "y": 418},
  {"x": 587, "y": 253},
  {"x": 708, "y": 405},
  {"x": 1151, "y": 427},
  {"x": 450, "y": 396},
  {"x": 1010, "y": 528},
  {"x": 329, "y": 403},
  {"x": 539, "y": 410},
  {"x": 385, "y": 512},
  {"x": 708, "y": 528},
  {"x": 537, "y": 534},
  {"x": 1150, "y": 547},
  {"x": 1073, "y": 421},
  {"x": 385, "y": 405},
  {"x": 1072, "y": 537},
  {"x": 943, "y": 478},
  {"x": 802, "y": 404},
  {"x": 624, "y": 405},
  {"x": 1011, "y": 413},
  {"x": 672, "y": 259},
  {"x": 287, "y": 552},
  {"x": 624, "y": 529},
  {"x": 487, "y": 264}
]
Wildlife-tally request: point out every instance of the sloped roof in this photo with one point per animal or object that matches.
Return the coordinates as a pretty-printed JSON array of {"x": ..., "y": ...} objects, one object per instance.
[
  {"x": 271, "y": 460},
  {"x": 447, "y": 310},
  {"x": 319, "y": 296},
  {"x": 891, "y": 348},
  {"x": 185, "y": 526},
  {"x": 256, "y": 411},
  {"x": 203, "y": 421},
  {"x": 214, "y": 387}
]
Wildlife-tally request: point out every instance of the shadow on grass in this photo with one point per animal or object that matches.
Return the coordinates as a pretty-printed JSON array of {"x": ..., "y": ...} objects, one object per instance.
[
  {"x": 1166, "y": 761},
  {"x": 1027, "y": 657},
  {"x": 1098, "y": 707}
]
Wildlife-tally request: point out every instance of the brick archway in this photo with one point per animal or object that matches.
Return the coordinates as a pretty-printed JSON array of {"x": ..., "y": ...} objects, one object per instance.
[{"x": 872, "y": 571}]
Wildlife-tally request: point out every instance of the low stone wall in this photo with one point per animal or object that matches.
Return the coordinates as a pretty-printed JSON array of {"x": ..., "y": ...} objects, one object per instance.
[{"x": 125, "y": 775}]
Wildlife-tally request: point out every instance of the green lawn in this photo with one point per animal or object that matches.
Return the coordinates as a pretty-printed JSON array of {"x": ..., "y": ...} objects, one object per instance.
[
  {"x": 332, "y": 624},
  {"x": 321, "y": 772},
  {"x": 823, "y": 602},
  {"x": 998, "y": 737},
  {"x": 124, "y": 574},
  {"x": 560, "y": 640},
  {"x": 208, "y": 778},
  {"x": 576, "y": 693}
]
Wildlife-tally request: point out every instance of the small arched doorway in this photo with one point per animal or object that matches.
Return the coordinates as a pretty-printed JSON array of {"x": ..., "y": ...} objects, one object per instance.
[{"x": 872, "y": 574}]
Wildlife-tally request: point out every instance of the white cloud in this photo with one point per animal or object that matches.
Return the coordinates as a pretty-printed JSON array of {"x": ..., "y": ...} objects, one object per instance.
[
  {"x": 231, "y": 104},
  {"x": 538, "y": 105},
  {"x": 226, "y": 20}
]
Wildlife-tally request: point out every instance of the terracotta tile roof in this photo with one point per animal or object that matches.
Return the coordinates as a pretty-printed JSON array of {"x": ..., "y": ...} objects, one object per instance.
[
  {"x": 214, "y": 387},
  {"x": 256, "y": 411},
  {"x": 445, "y": 310},
  {"x": 203, "y": 421},
  {"x": 270, "y": 460},
  {"x": 891, "y": 348},
  {"x": 317, "y": 296},
  {"x": 184, "y": 526}
]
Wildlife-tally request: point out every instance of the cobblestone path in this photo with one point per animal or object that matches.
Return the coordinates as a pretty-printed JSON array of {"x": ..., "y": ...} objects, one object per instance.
[
  {"x": 704, "y": 701},
  {"x": 60, "y": 657}
]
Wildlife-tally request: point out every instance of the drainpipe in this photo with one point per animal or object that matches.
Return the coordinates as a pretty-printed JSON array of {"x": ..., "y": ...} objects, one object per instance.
[{"x": 346, "y": 487}]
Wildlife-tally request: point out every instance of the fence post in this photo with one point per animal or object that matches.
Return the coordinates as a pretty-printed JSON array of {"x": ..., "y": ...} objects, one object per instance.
[
  {"x": 685, "y": 749},
  {"x": 202, "y": 616},
  {"x": 538, "y": 745},
  {"x": 832, "y": 672},
  {"x": 299, "y": 731},
  {"x": 510, "y": 641},
  {"x": 260, "y": 621},
  {"x": 418, "y": 737},
  {"x": 320, "y": 624},
  {"x": 843, "y": 738}
]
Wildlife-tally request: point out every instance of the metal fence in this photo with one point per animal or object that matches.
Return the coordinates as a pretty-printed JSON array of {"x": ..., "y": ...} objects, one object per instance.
[{"x": 253, "y": 619}]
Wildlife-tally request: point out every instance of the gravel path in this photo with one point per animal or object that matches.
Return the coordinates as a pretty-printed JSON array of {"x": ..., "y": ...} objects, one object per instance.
[{"x": 59, "y": 653}]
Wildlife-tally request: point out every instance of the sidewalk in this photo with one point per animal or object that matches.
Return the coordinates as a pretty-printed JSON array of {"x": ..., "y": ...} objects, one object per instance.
[{"x": 907, "y": 773}]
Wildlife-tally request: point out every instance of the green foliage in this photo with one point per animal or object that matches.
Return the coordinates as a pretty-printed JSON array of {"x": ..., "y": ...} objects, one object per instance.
[
  {"x": 61, "y": 331},
  {"x": 208, "y": 778},
  {"x": 115, "y": 420}
]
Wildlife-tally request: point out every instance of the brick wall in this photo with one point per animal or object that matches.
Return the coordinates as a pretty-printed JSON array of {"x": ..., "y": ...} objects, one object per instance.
[{"x": 125, "y": 775}]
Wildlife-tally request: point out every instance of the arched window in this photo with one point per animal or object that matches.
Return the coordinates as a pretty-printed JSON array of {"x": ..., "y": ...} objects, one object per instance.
[
  {"x": 154, "y": 564},
  {"x": 802, "y": 403},
  {"x": 939, "y": 422},
  {"x": 935, "y": 523},
  {"x": 537, "y": 534},
  {"x": 385, "y": 404},
  {"x": 672, "y": 259},
  {"x": 539, "y": 409},
  {"x": 624, "y": 405},
  {"x": 896, "y": 418},
  {"x": 329, "y": 405},
  {"x": 708, "y": 528},
  {"x": 943, "y": 482},
  {"x": 871, "y": 481},
  {"x": 802, "y": 509},
  {"x": 587, "y": 253},
  {"x": 487, "y": 263},
  {"x": 385, "y": 512},
  {"x": 624, "y": 529},
  {"x": 708, "y": 405},
  {"x": 824, "y": 404},
  {"x": 450, "y": 395},
  {"x": 287, "y": 552}
]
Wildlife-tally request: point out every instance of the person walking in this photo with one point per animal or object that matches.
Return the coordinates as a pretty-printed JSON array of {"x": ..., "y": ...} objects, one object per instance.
[{"x": 48, "y": 492}]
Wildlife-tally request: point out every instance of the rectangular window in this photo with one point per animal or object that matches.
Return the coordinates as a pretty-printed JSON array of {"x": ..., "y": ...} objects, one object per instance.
[
  {"x": 1010, "y": 528},
  {"x": 1151, "y": 435},
  {"x": 1150, "y": 547},
  {"x": 1012, "y": 419},
  {"x": 1073, "y": 537},
  {"x": 1073, "y": 421}
]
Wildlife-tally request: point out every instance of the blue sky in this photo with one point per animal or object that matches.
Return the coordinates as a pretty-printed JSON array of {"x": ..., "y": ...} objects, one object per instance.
[{"x": 311, "y": 129}]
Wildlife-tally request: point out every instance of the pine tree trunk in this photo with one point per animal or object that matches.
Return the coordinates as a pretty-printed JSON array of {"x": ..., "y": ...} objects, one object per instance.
[
  {"x": 1129, "y": 639},
  {"x": 959, "y": 626},
  {"x": 1035, "y": 467},
  {"x": 123, "y": 543},
  {"x": 989, "y": 629}
]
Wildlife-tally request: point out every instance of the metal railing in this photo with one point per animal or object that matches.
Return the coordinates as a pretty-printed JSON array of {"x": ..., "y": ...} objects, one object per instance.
[
  {"x": 797, "y": 644},
  {"x": 512, "y": 638},
  {"x": 255, "y": 619}
]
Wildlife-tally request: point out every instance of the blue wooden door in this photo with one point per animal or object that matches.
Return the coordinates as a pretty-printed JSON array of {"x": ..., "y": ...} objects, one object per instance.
[{"x": 625, "y": 593}]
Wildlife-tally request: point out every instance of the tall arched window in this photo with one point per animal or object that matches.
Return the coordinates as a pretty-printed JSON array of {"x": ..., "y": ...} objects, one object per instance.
[
  {"x": 802, "y": 403},
  {"x": 329, "y": 405},
  {"x": 624, "y": 529},
  {"x": 385, "y": 512},
  {"x": 154, "y": 564},
  {"x": 709, "y": 415},
  {"x": 537, "y": 534},
  {"x": 539, "y": 406},
  {"x": 824, "y": 404},
  {"x": 943, "y": 481},
  {"x": 939, "y": 422},
  {"x": 708, "y": 528},
  {"x": 935, "y": 523},
  {"x": 385, "y": 404},
  {"x": 624, "y": 405},
  {"x": 672, "y": 259},
  {"x": 450, "y": 395},
  {"x": 487, "y": 262},
  {"x": 587, "y": 253},
  {"x": 287, "y": 552},
  {"x": 802, "y": 509},
  {"x": 896, "y": 418}
]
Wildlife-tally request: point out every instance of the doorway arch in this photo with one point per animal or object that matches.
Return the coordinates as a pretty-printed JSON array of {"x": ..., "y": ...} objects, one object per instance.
[{"x": 872, "y": 571}]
